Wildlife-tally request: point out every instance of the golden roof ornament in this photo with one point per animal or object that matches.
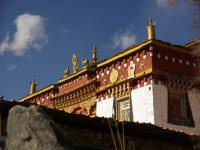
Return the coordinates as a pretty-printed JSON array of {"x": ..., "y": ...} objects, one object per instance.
[
  {"x": 151, "y": 29},
  {"x": 84, "y": 63},
  {"x": 67, "y": 72},
  {"x": 94, "y": 56},
  {"x": 33, "y": 87},
  {"x": 75, "y": 63}
]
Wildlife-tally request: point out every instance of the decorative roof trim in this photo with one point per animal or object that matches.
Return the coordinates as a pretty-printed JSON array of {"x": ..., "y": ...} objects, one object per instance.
[
  {"x": 72, "y": 76},
  {"x": 123, "y": 53},
  {"x": 174, "y": 47},
  {"x": 141, "y": 45},
  {"x": 192, "y": 43},
  {"x": 138, "y": 75},
  {"x": 75, "y": 90},
  {"x": 38, "y": 92}
]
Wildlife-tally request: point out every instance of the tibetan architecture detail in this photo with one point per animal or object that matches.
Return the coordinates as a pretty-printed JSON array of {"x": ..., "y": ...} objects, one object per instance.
[
  {"x": 67, "y": 72},
  {"x": 85, "y": 63},
  {"x": 131, "y": 70},
  {"x": 113, "y": 76},
  {"x": 151, "y": 29},
  {"x": 151, "y": 82},
  {"x": 33, "y": 87},
  {"x": 75, "y": 63},
  {"x": 94, "y": 56}
]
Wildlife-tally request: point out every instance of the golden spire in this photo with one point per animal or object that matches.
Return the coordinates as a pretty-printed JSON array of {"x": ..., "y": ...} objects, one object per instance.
[
  {"x": 33, "y": 87},
  {"x": 151, "y": 29},
  {"x": 94, "y": 55},
  {"x": 67, "y": 72},
  {"x": 75, "y": 63}
]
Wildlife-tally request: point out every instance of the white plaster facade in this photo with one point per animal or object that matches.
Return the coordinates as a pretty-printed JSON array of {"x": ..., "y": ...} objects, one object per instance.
[
  {"x": 105, "y": 108},
  {"x": 142, "y": 104}
]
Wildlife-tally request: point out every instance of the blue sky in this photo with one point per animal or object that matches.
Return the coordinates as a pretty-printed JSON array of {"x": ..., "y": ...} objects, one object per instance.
[{"x": 38, "y": 38}]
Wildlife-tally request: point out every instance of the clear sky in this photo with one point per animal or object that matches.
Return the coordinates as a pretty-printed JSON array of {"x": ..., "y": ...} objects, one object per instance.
[{"x": 39, "y": 37}]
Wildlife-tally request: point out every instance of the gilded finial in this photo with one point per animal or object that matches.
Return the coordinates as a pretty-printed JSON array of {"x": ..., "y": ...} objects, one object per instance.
[
  {"x": 33, "y": 87},
  {"x": 67, "y": 72},
  {"x": 84, "y": 63},
  {"x": 75, "y": 63},
  {"x": 94, "y": 55},
  {"x": 151, "y": 29}
]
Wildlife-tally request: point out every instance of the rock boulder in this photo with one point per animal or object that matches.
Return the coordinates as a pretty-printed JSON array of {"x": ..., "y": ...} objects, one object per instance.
[{"x": 29, "y": 128}]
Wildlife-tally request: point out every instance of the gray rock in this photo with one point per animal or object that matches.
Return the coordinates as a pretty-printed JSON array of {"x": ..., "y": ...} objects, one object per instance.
[
  {"x": 2, "y": 142},
  {"x": 29, "y": 128}
]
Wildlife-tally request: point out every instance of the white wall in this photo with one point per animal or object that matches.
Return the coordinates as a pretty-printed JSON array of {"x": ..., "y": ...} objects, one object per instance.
[
  {"x": 142, "y": 104},
  {"x": 105, "y": 108}
]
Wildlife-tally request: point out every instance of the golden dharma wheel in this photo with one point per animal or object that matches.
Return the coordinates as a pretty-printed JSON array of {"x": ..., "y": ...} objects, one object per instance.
[{"x": 113, "y": 76}]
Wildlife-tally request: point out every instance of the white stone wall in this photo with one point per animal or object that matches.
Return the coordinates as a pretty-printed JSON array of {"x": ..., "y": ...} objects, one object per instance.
[
  {"x": 160, "y": 94},
  {"x": 105, "y": 108},
  {"x": 142, "y": 104}
]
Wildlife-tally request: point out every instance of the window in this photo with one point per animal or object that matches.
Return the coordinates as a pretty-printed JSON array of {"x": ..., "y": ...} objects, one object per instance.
[
  {"x": 179, "y": 111},
  {"x": 123, "y": 107}
]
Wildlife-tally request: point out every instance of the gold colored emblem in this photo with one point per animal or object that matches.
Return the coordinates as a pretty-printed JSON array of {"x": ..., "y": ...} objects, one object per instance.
[
  {"x": 67, "y": 72},
  {"x": 75, "y": 63},
  {"x": 113, "y": 76},
  {"x": 84, "y": 63}
]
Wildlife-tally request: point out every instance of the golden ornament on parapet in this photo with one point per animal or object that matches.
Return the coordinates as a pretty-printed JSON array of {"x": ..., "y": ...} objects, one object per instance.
[
  {"x": 75, "y": 63},
  {"x": 113, "y": 76},
  {"x": 131, "y": 70},
  {"x": 85, "y": 63},
  {"x": 67, "y": 72}
]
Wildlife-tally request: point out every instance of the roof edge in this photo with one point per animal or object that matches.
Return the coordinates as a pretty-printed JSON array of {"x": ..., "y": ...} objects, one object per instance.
[
  {"x": 52, "y": 86},
  {"x": 124, "y": 53},
  {"x": 179, "y": 48},
  {"x": 72, "y": 76}
]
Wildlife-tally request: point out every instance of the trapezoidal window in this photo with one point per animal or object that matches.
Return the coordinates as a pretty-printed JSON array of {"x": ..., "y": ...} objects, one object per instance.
[
  {"x": 123, "y": 109},
  {"x": 179, "y": 110}
]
